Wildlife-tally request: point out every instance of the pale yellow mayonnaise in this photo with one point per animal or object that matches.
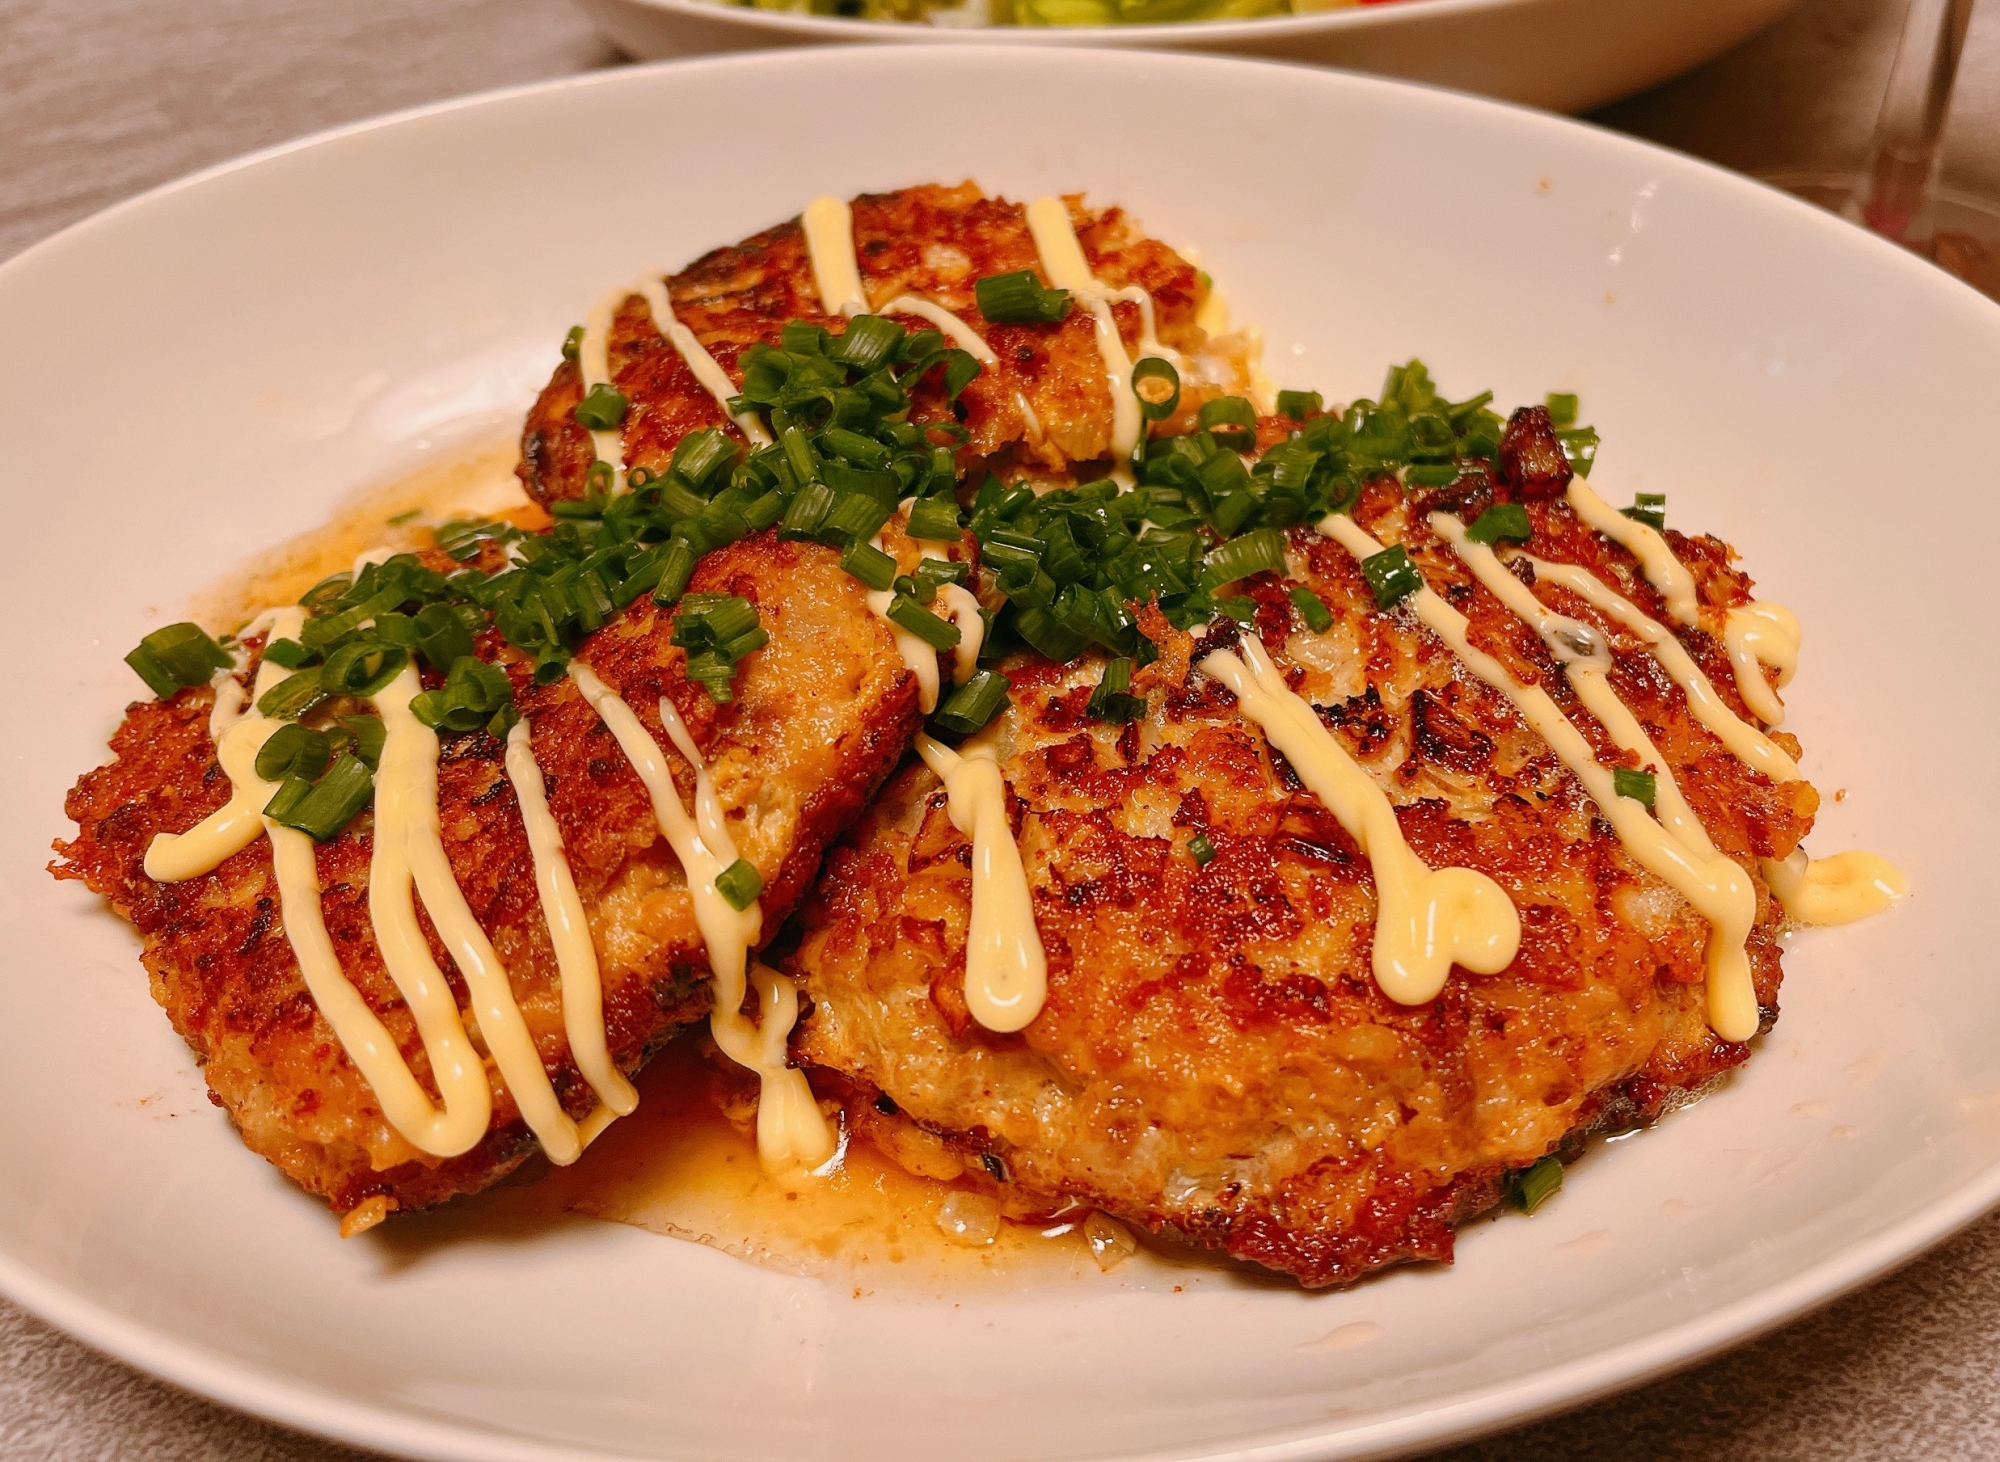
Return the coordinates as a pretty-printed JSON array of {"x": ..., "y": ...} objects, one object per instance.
[
  {"x": 797, "y": 1135},
  {"x": 1426, "y": 919},
  {"x": 1720, "y": 890},
  {"x": 1757, "y": 635},
  {"x": 569, "y": 929},
  {"x": 1854, "y": 884},
  {"x": 1749, "y": 745},
  {"x": 1645, "y": 543},
  {"x": 1006, "y": 971},
  {"x": 829, "y": 229},
  {"x": 1063, "y": 262}
]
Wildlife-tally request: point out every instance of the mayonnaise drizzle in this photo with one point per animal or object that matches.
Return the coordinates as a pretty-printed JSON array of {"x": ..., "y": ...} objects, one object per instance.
[
  {"x": 791, "y": 1132},
  {"x": 1750, "y": 745},
  {"x": 1645, "y": 543},
  {"x": 593, "y": 359},
  {"x": 569, "y": 929},
  {"x": 1006, "y": 970},
  {"x": 1585, "y": 656},
  {"x": 1426, "y": 919},
  {"x": 1854, "y": 884},
  {"x": 1064, "y": 263},
  {"x": 829, "y": 229},
  {"x": 455, "y": 1065},
  {"x": 1719, "y": 889},
  {"x": 409, "y": 847},
  {"x": 1836, "y": 890},
  {"x": 1757, "y": 635}
]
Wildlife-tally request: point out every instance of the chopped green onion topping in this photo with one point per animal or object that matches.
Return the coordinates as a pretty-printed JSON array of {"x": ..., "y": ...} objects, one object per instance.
[
  {"x": 1158, "y": 386},
  {"x": 740, "y": 884},
  {"x": 1580, "y": 446},
  {"x": 364, "y": 736},
  {"x": 288, "y": 653},
  {"x": 869, "y": 342},
  {"x": 1639, "y": 786},
  {"x": 1020, "y": 298},
  {"x": 1110, "y": 701},
  {"x": 1503, "y": 522},
  {"x": 939, "y": 634},
  {"x": 1312, "y": 609},
  {"x": 1649, "y": 508},
  {"x": 294, "y": 750},
  {"x": 1299, "y": 405},
  {"x": 1537, "y": 1185},
  {"x": 602, "y": 408},
  {"x": 968, "y": 708},
  {"x": 572, "y": 345},
  {"x": 1202, "y": 849},
  {"x": 361, "y": 668},
  {"x": 472, "y": 694},
  {"x": 1239, "y": 607},
  {"x": 1391, "y": 576},
  {"x": 177, "y": 656},
  {"x": 329, "y": 805},
  {"x": 293, "y": 696},
  {"x": 1258, "y": 551},
  {"x": 934, "y": 519},
  {"x": 869, "y": 564},
  {"x": 717, "y": 630},
  {"x": 1562, "y": 409},
  {"x": 1231, "y": 420}
]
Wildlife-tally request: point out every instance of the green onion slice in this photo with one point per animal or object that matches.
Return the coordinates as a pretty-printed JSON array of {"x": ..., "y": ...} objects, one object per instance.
[
  {"x": 1536, "y": 1185},
  {"x": 1020, "y": 298},
  {"x": 1503, "y": 522},
  {"x": 1312, "y": 609},
  {"x": 972, "y": 705},
  {"x": 362, "y": 668},
  {"x": 1110, "y": 701},
  {"x": 869, "y": 564},
  {"x": 294, "y": 750},
  {"x": 602, "y": 408},
  {"x": 1299, "y": 405},
  {"x": 934, "y": 519},
  {"x": 293, "y": 696},
  {"x": 740, "y": 884},
  {"x": 1231, "y": 420},
  {"x": 1202, "y": 849},
  {"x": 1391, "y": 576},
  {"x": 1158, "y": 386},
  {"x": 177, "y": 656},
  {"x": 939, "y": 634},
  {"x": 1562, "y": 409},
  {"x": 1639, "y": 786},
  {"x": 572, "y": 345},
  {"x": 331, "y": 803},
  {"x": 1649, "y": 508}
]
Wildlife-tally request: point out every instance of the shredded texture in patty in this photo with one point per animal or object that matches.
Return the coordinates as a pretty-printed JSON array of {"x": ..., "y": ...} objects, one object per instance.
[
  {"x": 1215, "y": 1061},
  {"x": 822, "y": 714}
]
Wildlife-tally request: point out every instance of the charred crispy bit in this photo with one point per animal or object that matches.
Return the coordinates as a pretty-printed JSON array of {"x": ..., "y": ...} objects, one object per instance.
[
  {"x": 822, "y": 714},
  {"x": 1532, "y": 460},
  {"x": 1043, "y": 403},
  {"x": 1215, "y": 1060}
]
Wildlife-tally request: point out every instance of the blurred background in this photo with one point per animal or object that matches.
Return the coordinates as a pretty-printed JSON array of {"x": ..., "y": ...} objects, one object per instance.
[{"x": 101, "y": 99}]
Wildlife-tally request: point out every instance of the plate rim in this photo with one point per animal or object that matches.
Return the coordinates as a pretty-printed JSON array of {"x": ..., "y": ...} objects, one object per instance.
[
  {"x": 291, "y": 1401},
  {"x": 848, "y": 30}
]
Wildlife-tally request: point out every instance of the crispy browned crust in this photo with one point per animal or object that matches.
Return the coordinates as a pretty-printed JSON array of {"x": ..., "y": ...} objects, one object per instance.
[
  {"x": 823, "y": 713},
  {"x": 1215, "y": 1061},
  {"x": 933, "y": 241}
]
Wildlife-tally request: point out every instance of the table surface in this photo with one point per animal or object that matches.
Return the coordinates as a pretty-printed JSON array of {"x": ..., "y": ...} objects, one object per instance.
[{"x": 104, "y": 98}]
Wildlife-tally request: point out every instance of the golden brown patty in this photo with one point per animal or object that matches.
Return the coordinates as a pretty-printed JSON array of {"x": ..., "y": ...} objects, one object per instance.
[
  {"x": 932, "y": 241},
  {"x": 1215, "y": 1060},
  {"x": 822, "y": 714}
]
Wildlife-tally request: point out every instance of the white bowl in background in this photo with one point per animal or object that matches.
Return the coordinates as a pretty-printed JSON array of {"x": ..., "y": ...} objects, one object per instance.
[
  {"x": 1566, "y": 55},
  {"x": 208, "y": 369}
]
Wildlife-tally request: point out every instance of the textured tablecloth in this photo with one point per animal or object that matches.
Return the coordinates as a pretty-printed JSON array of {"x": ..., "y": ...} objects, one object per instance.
[{"x": 102, "y": 98}]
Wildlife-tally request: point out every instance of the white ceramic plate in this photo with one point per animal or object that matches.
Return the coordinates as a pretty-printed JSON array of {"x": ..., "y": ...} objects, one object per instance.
[
  {"x": 1567, "y": 55},
  {"x": 201, "y": 372}
]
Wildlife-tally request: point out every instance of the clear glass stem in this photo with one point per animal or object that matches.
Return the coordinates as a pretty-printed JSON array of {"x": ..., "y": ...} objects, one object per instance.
[{"x": 1893, "y": 193}]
